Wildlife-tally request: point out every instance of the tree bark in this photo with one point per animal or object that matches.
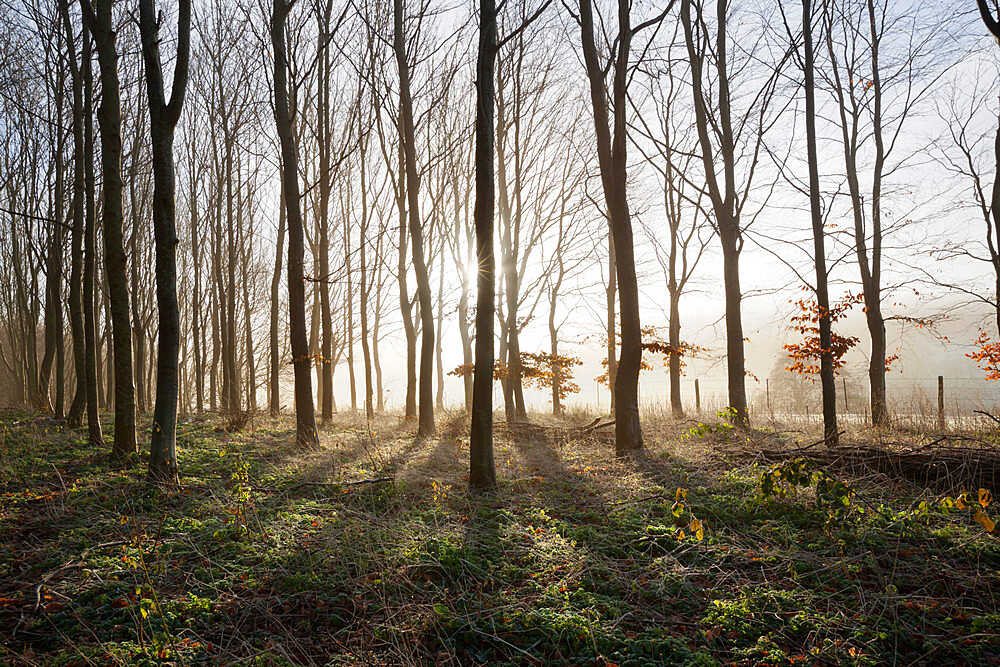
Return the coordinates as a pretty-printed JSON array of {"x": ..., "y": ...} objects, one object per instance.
[
  {"x": 482, "y": 471},
  {"x": 611, "y": 151},
  {"x": 74, "y": 418},
  {"x": 305, "y": 416},
  {"x": 110, "y": 120},
  {"x": 425, "y": 404},
  {"x": 827, "y": 379}
]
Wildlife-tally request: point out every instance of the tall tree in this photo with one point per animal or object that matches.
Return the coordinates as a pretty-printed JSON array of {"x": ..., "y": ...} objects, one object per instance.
[
  {"x": 163, "y": 116},
  {"x": 739, "y": 136},
  {"x": 75, "y": 415},
  {"x": 95, "y": 433},
  {"x": 827, "y": 379},
  {"x": 482, "y": 473},
  {"x": 305, "y": 413},
  {"x": 407, "y": 138},
  {"x": 612, "y": 143},
  {"x": 99, "y": 16}
]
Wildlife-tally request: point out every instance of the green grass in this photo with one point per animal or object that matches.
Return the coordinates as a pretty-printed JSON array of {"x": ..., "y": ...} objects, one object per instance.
[{"x": 262, "y": 556}]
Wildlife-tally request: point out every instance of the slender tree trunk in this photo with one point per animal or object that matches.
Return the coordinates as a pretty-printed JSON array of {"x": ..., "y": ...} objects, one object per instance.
[
  {"x": 230, "y": 348},
  {"x": 75, "y": 415},
  {"x": 110, "y": 120},
  {"x": 216, "y": 345},
  {"x": 365, "y": 286},
  {"x": 425, "y": 408},
  {"x": 246, "y": 252},
  {"x": 94, "y": 432},
  {"x": 274, "y": 397},
  {"x": 482, "y": 471},
  {"x": 611, "y": 152},
  {"x": 827, "y": 378},
  {"x": 404, "y": 294},
  {"x": 135, "y": 209},
  {"x": 380, "y": 400},
  {"x": 54, "y": 274},
  {"x": 349, "y": 315},
  {"x": 196, "y": 329},
  {"x": 439, "y": 396},
  {"x": 674, "y": 361},
  {"x": 305, "y": 416},
  {"x": 323, "y": 223},
  {"x": 163, "y": 118},
  {"x": 466, "y": 336},
  {"x": 554, "y": 351},
  {"x": 723, "y": 200},
  {"x": 612, "y": 311}
]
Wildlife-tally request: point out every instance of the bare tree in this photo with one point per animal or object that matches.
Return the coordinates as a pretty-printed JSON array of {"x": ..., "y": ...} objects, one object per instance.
[
  {"x": 163, "y": 116},
  {"x": 827, "y": 378},
  {"x": 99, "y": 17},
  {"x": 738, "y": 135},
  {"x": 612, "y": 143},
  {"x": 425, "y": 404},
  {"x": 305, "y": 416}
]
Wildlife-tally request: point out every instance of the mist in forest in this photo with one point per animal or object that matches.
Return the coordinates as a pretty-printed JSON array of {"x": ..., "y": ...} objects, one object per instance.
[{"x": 243, "y": 207}]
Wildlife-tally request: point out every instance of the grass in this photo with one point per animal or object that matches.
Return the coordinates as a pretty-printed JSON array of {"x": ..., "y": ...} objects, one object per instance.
[{"x": 263, "y": 555}]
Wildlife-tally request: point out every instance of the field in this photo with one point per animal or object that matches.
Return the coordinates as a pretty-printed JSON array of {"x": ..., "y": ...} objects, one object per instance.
[{"x": 371, "y": 551}]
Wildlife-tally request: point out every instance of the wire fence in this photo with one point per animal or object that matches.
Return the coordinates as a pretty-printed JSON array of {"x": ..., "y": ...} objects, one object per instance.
[{"x": 920, "y": 401}]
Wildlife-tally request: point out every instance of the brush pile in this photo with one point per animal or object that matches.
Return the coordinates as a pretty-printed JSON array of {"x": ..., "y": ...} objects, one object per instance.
[{"x": 938, "y": 464}]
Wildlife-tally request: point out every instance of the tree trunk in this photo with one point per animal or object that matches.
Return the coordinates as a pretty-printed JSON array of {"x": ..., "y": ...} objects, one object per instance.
[
  {"x": 612, "y": 157},
  {"x": 94, "y": 432},
  {"x": 135, "y": 209},
  {"x": 439, "y": 396},
  {"x": 365, "y": 286},
  {"x": 196, "y": 328},
  {"x": 482, "y": 471},
  {"x": 405, "y": 307},
  {"x": 274, "y": 393},
  {"x": 305, "y": 416},
  {"x": 827, "y": 379},
  {"x": 163, "y": 118},
  {"x": 425, "y": 408},
  {"x": 323, "y": 223},
  {"x": 54, "y": 274},
  {"x": 612, "y": 295},
  {"x": 110, "y": 120},
  {"x": 75, "y": 415}
]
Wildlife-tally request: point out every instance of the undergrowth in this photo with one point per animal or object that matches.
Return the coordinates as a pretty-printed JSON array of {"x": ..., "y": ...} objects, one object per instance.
[{"x": 264, "y": 554}]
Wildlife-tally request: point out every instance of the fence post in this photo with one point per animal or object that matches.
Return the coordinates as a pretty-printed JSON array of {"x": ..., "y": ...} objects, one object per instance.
[
  {"x": 697, "y": 397},
  {"x": 846, "y": 408},
  {"x": 940, "y": 415}
]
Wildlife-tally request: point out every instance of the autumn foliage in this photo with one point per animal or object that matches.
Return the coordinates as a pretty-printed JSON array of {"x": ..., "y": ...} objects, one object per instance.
[
  {"x": 654, "y": 343},
  {"x": 540, "y": 370},
  {"x": 987, "y": 356},
  {"x": 805, "y": 356}
]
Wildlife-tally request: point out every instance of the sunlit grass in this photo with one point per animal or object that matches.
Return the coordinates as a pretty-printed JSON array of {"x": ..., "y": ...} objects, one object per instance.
[{"x": 263, "y": 553}]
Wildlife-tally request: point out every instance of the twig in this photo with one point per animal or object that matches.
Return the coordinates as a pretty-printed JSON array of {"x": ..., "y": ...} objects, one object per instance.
[
  {"x": 58, "y": 570},
  {"x": 995, "y": 419}
]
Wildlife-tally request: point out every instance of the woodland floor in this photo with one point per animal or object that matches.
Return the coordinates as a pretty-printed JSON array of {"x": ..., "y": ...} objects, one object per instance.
[{"x": 578, "y": 559}]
